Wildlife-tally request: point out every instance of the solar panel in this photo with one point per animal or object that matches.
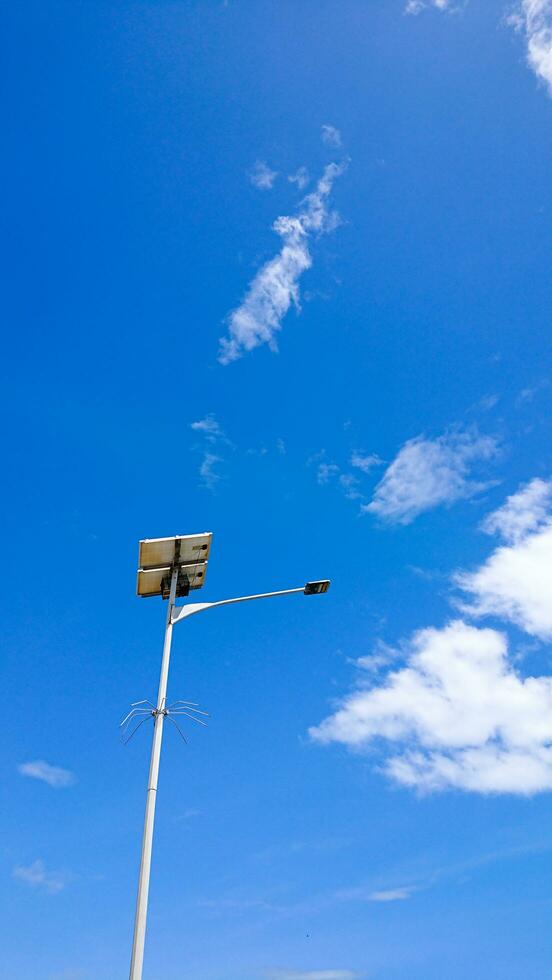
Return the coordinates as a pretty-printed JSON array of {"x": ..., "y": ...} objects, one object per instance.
[
  {"x": 153, "y": 581},
  {"x": 157, "y": 556}
]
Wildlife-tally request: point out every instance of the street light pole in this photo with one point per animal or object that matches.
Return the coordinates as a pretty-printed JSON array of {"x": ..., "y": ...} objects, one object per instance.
[
  {"x": 147, "y": 840},
  {"x": 155, "y": 578}
]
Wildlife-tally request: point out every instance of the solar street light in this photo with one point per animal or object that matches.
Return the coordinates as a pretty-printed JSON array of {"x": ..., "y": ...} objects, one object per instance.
[{"x": 172, "y": 568}]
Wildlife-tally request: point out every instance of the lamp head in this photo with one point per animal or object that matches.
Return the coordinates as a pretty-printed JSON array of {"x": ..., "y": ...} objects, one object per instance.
[{"x": 316, "y": 588}]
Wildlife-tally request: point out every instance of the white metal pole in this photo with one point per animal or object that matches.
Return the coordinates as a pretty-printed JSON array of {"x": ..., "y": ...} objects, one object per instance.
[{"x": 145, "y": 861}]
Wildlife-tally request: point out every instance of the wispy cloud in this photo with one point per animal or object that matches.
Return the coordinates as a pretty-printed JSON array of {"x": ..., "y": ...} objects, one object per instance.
[
  {"x": 300, "y": 177},
  {"x": 362, "y": 893},
  {"x": 429, "y": 473},
  {"x": 525, "y": 511},
  {"x": 331, "y": 136},
  {"x": 527, "y": 395},
  {"x": 534, "y": 19},
  {"x": 328, "y": 471},
  {"x": 391, "y": 895},
  {"x": 53, "y": 775},
  {"x": 325, "y": 471},
  {"x": 209, "y": 427},
  {"x": 350, "y": 484},
  {"x": 416, "y": 6},
  {"x": 208, "y": 473},
  {"x": 377, "y": 890},
  {"x": 261, "y": 176},
  {"x": 214, "y": 440},
  {"x": 276, "y": 286},
  {"x": 365, "y": 461},
  {"x": 515, "y": 583},
  {"x": 215, "y": 450},
  {"x": 188, "y": 814},
  {"x": 37, "y": 876}
]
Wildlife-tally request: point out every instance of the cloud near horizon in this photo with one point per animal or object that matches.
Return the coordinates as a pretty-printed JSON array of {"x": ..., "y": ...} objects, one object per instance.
[
  {"x": 275, "y": 288},
  {"x": 428, "y": 473}
]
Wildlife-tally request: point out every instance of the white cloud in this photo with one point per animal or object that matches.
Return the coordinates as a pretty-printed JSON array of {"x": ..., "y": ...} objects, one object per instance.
[
  {"x": 312, "y": 975},
  {"x": 524, "y": 512},
  {"x": 349, "y": 483},
  {"x": 362, "y": 893},
  {"x": 331, "y": 136},
  {"x": 208, "y": 472},
  {"x": 53, "y": 775},
  {"x": 214, "y": 438},
  {"x": 262, "y": 177},
  {"x": 391, "y": 895},
  {"x": 531, "y": 17},
  {"x": 416, "y": 6},
  {"x": 534, "y": 18},
  {"x": 383, "y": 655},
  {"x": 515, "y": 582},
  {"x": 365, "y": 461},
  {"x": 37, "y": 876},
  {"x": 325, "y": 472},
  {"x": 209, "y": 427},
  {"x": 428, "y": 473},
  {"x": 300, "y": 177},
  {"x": 189, "y": 814},
  {"x": 457, "y": 714},
  {"x": 276, "y": 286}
]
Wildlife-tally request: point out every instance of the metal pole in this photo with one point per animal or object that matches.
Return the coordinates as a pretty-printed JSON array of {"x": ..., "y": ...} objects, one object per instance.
[{"x": 145, "y": 861}]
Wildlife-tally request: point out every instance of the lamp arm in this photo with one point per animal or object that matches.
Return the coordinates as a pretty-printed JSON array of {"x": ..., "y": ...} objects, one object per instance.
[{"x": 182, "y": 612}]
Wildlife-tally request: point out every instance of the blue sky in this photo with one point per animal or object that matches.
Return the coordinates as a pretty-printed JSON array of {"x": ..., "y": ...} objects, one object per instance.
[{"x": 280, "y": 271}]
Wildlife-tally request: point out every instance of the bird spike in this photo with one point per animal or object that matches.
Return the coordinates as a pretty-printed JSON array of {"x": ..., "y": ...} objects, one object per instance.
[
  {"x": 140, "y": 711},
  {"x": 180, "y": 732},
  {"x": 134, "y": 730}
]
